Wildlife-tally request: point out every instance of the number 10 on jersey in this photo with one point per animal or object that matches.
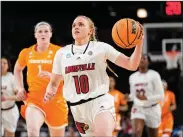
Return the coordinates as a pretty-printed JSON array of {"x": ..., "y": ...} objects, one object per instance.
[{"x": 81, "y": 84}]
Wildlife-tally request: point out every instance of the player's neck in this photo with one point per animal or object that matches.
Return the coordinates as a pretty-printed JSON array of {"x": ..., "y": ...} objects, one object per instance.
[
  {"x": 111, "y": 89},
  {"x": 4, "y": 73},
  {"x": 143, "y": 70},
  {"x": 42, "y": 47},
  {"x": 81, "y": 42}
]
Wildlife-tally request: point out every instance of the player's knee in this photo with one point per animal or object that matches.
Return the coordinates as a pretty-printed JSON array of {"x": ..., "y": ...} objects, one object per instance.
[
  {"x": 137, "y": 131},
  {"x": 103, "y": 127},
  {"x": 103, "y": 132},
  {"x": 166, "y": 134},
  {"x": 33, "y": 130}
]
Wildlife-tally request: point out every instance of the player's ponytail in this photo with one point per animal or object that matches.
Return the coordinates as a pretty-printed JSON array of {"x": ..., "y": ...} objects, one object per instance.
[{"x": 111, "y": 70}]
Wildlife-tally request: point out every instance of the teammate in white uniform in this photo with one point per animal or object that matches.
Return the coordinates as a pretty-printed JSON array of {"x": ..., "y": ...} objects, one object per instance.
[
  {"x": 10, "y": 112},
  {"x": 146, "y": 91},
  {"x": 82, "y": 65}
]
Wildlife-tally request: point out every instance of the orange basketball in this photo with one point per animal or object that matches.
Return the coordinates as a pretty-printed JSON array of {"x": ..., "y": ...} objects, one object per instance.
[{"x": 127, "y": 33}]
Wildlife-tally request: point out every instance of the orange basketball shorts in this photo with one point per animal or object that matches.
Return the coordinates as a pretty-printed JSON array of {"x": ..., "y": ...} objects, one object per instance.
[
  {"x": 166, "y": 123},
  {"x": 55, "y": 111}
]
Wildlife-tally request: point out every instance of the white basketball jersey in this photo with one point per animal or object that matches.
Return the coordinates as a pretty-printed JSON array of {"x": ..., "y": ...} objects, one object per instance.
[
  {"x": 148, "y": 83},
  {"x": 84, "y": 69},
  {"x": 8, "y": 88}
]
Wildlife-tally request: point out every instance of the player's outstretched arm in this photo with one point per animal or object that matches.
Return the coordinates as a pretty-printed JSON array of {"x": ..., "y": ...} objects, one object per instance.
[{"x": 132, "y": 62}]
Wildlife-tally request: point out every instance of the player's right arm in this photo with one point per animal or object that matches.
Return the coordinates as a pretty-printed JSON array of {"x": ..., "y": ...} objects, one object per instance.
[
  {"x": 158, "y": 88},
  {"x": 18, "y": 73},
  {"x": 55, "y": 78}
]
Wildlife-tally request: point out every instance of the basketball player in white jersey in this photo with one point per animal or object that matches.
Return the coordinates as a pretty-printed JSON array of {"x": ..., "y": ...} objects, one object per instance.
[
  {"x": 82, "y": 66},
  {"x": 146, "y": 91},
  {"x": 10, "y": 112}
]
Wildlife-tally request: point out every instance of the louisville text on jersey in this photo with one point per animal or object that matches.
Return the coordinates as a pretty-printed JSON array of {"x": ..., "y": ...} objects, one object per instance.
[{"x": 82, "y": 67}]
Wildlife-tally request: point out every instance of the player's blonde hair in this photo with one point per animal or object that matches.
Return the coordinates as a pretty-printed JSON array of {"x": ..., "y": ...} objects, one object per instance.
[
  {"x": 42, "y": 23},
  {"x": 92, "y": 26}
]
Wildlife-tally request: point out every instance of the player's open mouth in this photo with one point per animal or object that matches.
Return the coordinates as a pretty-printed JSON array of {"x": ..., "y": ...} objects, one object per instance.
[
  {"x": 76, "y": 32},
  {"x": 43, "y": 38}
]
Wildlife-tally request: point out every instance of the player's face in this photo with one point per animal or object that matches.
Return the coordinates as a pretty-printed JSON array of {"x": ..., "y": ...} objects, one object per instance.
[
  {"x": 81, "y": 29},
  {"x": 112, "y": 82},
  {"x": 144, "y": 62},
  {"x": 43, "y": 34},
  {"x": 4, "y": 65}
]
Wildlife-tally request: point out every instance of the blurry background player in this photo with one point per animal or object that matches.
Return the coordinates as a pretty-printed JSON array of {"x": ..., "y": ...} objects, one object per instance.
[
  {"x": 146, "y": 90},
  {"x": 120, "y": 104},
  {"x": 38, "y": 60},
  {"x": 168, "y": 105},
  {"x": 10, "y": 112}
]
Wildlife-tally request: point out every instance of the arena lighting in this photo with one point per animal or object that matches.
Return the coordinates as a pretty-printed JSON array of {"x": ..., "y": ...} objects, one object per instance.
[{"x": 142, "y": 13}]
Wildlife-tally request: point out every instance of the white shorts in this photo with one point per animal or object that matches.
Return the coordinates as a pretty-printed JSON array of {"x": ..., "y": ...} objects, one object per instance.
[
  {"x": 10, "y": 118},
  {"x": 85, "y": 113},
  {"x": 150, "y": 115}
]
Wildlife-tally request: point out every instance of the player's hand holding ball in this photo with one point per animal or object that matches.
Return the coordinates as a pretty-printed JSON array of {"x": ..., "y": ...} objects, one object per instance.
[{"x": 128, "y": 33}]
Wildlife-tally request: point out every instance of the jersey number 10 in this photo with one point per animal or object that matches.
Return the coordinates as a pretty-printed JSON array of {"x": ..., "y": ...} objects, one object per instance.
[{"x": 81, "y": 84}]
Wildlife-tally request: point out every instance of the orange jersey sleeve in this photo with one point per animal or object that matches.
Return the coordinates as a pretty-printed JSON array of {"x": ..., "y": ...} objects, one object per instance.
[{"x": 22, "y": 58}]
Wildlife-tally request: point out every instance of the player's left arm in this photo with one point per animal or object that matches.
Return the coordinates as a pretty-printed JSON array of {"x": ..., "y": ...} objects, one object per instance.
[
  {"x": 158, "y": 88},
  {"x": 173, "y": 105}
]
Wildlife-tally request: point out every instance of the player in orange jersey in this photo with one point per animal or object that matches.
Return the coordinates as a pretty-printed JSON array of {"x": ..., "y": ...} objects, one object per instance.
[
  {"x": 38, "y": 59},
  {"x": 119, "y": 102},
  {"x": 168, "y": 105}
]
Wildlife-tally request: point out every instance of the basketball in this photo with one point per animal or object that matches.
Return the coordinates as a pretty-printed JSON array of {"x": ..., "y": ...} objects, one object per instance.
[{"x": 127, "y": 33}]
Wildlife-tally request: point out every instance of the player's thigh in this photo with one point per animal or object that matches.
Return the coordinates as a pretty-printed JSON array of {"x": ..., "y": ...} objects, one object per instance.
[
  {"x": 56, "y": 114},
  {"x": 138, "y": 118},
  {"x": 153, "y": 116},
  {"x": 104, "y": 116},
  {"x": 104, "y": 124},
  {"x": 34, "y": 117}
]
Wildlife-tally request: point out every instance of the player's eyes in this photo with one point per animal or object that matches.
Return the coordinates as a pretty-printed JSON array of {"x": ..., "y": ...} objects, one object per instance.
[
  {"x": 73, "y": 25},
  {"x": 81, "y": 24}
]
